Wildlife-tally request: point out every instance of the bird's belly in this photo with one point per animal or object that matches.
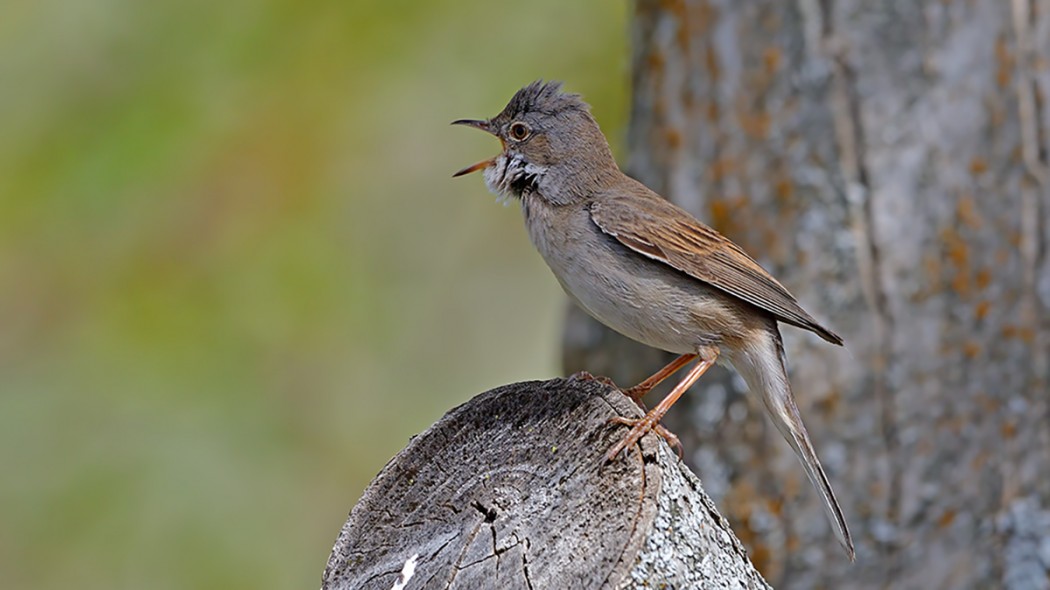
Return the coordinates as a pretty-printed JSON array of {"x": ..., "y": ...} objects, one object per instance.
[
  {"x": 642, "y": 299},
  {"x": 653, "y": 320}
]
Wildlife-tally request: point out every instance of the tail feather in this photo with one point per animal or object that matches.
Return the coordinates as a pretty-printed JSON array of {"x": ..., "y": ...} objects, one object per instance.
[
  {"x": 762, "y": 367},
  {"x": 799, "y": 440}
]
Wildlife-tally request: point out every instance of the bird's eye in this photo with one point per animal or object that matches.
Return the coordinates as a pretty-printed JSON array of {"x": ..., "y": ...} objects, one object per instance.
[{"x": 519, "y": 131}]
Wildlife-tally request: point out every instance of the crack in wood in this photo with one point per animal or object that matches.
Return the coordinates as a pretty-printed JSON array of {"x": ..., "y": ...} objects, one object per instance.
[
  {"x": 640, "y": 507},
  {"x": 525, "y": 564},
  {"x": 490, "y": 514},
  {"x": 456, "y": 567}
]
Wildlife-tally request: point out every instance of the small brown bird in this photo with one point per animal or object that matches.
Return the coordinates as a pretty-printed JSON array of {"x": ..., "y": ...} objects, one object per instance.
[{"x": 646, "y": 268}]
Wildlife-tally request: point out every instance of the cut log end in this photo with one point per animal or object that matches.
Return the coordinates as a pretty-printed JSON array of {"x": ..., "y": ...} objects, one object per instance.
[{"x": 511, "y": 490}]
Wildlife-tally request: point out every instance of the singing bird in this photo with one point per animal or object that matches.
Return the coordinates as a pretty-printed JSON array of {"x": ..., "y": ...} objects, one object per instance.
[{"x": 646, "y": 268}]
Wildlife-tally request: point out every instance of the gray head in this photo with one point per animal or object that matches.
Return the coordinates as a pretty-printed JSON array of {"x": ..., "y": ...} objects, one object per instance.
[{"x": 552, "y": 147}]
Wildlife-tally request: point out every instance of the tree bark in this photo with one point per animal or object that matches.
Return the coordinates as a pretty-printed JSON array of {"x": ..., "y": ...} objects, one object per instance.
[
  {"x": 510, "y": 491},
  {"x": 888, "y": 162}
]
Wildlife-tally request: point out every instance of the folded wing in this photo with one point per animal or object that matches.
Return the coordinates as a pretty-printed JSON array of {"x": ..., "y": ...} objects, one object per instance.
[{"x": 660, "y": 230}]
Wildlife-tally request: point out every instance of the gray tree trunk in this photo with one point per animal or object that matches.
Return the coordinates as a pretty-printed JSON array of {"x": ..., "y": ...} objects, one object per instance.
[
  {"x": 888, "y": 162},
  {"x": 510, "y": 491}
]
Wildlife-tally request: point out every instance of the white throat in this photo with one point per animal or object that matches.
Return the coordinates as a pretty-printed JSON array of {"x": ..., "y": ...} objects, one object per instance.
[{"x": 510, "y": 175}]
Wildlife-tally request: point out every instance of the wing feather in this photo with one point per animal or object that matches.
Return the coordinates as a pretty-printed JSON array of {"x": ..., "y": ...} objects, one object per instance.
[{"x": 660, "y": 230}]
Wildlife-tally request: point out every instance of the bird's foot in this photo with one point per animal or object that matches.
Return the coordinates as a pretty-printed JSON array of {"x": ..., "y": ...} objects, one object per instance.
[
  {"x": 639, "y": 428},
  {"x": 635, "y": 393},
  {"x": 585, "y": 376}
]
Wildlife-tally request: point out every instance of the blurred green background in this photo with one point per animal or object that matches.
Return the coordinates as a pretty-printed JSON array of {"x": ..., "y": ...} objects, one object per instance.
[{"x": 236, "y": 276}]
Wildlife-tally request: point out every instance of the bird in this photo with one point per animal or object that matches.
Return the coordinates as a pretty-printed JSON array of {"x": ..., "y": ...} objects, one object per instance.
[{"x": 646, "y": 268}]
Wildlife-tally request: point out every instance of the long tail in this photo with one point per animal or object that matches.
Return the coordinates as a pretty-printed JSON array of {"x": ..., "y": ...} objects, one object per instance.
[{"x": 762, "y": 367}]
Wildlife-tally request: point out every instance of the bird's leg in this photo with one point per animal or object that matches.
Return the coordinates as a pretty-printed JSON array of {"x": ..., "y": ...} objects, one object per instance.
[
  {"x": 651, "y": 421},
  {"x": 638, "y": 391}
]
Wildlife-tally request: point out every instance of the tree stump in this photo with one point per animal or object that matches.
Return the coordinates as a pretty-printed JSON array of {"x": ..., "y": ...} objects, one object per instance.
[{"x": 510, "y": 490}]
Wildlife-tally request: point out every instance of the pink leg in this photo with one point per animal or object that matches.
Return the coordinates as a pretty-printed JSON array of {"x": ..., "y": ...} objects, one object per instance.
[
  {"x": 638, "y": 391},
  {"x": 651, "y": 421}
]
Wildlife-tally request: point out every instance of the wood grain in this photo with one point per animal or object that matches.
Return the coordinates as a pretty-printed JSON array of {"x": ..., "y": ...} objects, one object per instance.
[{"x": 510, "y": 491}]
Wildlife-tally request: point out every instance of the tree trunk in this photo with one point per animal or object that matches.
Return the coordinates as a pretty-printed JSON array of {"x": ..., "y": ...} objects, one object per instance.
[
  {"x": 888, "y": 162},
  {"x": 511, "y": 491}
]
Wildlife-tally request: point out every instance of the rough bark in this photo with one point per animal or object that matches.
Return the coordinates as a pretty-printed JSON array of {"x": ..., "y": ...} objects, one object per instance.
[
  {"x": 888, "y": 162},
  {"x": 510, "y": 491}
]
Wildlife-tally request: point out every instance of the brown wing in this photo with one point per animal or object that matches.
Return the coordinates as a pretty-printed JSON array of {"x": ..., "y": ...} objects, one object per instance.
[{"x": 658, "y": 229}]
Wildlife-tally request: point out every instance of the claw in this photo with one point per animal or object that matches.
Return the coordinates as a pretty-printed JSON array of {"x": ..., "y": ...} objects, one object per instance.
[
  {"x": 670, "y": 437},
  {"x": 585, "y": 376},
  {"x": 639, "y": 428}
]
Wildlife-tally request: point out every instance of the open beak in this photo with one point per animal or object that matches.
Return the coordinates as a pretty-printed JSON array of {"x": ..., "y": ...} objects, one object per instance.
[
  {"x": 484, "y": 126},
  {"x": 475, "y": 123},
  {"x": 475, "y": 167}
]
